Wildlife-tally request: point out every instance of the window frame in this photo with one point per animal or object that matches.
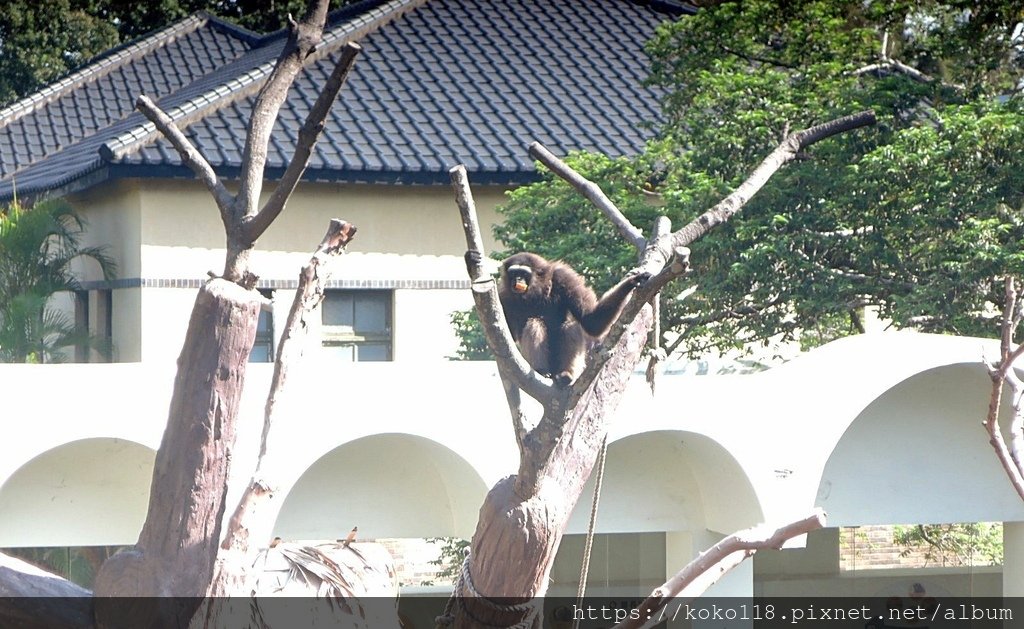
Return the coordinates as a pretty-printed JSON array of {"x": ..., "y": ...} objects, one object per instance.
[{"x": 342, "y": 335}]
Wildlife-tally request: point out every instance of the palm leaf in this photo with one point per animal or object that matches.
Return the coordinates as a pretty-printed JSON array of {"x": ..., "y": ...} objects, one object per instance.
[
  {"x": 328, "y": 582},
  {"x": 37, "y": 249}
]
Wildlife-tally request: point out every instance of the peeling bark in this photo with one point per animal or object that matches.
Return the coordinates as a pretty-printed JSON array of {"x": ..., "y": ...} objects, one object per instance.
[{"x": 174, "y": 555}]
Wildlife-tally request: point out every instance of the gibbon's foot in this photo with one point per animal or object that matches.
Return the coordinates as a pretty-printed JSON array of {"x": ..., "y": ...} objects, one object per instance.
[{"x": 563, "y": 380}]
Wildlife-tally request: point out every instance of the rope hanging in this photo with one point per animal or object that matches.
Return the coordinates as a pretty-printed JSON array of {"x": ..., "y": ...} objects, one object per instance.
[{"x": 589, "y": 544}]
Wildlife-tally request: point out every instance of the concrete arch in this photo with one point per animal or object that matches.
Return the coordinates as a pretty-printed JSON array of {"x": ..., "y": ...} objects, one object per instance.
[
  {"x": 669, "y": 480},
  {"x": 917, "y": 453},
  {"x": 89, "y": 492},
  {"x": 390, "y": 485}
]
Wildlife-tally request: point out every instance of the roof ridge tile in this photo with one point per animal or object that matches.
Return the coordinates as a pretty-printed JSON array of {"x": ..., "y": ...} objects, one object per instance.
[
  {"x": 100, "y": 67},
  {"x": 240, "y": 86},
  {"x": 235, "y": 30}
]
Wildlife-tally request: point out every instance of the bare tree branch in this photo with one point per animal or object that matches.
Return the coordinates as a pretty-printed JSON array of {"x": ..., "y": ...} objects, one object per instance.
[
  {"x": 174, "y": 560},
  {"x": 190, "y": 155},
  {"x": 308, "y": 135},
  {"x": 715, "y": 562},
  {"x": 663, "y": 249},
  {"x": 591, "y": 191},
  {"x": 485, "y": 294},
  {"x": 233, "y": 573},
  {"x": 1002, "y": 373},
  {"x": 525, "y": 515},
  {"x": 894, "y": 65},
  {"x": 303, "y": 38}
]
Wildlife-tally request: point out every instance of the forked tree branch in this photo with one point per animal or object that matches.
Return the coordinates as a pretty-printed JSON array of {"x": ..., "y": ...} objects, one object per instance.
[
  {"x": 485, "y": 295},
  {"x": 706, "y": 569},
  {"x": 895, "y": 65},
  {"x": 677, "y": 245},
  {"x": 244, "y": 222},
  {"x": 590, "y": 191},
  {"x": 190, "y": 155},
  {"x": 561, "y": 451},
  {"x": 1003, "y": 374},
  {"x": 303, "y": 38},
  {"x": 308, "y": 135}
]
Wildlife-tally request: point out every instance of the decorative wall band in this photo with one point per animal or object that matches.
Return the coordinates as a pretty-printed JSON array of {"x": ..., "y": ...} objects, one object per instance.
[
  {"x": 128, "y": 282},
  {"x": 137, "y": 282}
]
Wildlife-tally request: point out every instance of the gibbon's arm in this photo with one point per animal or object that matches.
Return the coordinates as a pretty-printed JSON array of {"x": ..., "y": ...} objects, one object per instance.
[
  {"x": 571, "y": 290},
  {"x": 600, "y": 315}
]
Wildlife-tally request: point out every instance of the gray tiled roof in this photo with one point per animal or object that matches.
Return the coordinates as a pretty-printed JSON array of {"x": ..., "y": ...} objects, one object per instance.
[{"x": 447, "y": 82}]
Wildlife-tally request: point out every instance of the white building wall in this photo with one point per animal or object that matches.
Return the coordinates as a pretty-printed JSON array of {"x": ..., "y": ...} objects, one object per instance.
[{"x": 702, "y": 457}]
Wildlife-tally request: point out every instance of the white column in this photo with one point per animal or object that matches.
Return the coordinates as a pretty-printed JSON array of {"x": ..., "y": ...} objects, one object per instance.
[{"x": 1013, "y": 558}]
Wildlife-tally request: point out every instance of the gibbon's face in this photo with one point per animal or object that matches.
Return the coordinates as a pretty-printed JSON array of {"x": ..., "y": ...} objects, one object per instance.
[{"x": 519, "y": 276}]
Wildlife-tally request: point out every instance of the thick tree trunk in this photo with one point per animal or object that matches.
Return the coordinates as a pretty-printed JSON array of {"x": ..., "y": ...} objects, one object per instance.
[
  {"x": 523, "y": 517},
  {"x": 175, "y": 553}
]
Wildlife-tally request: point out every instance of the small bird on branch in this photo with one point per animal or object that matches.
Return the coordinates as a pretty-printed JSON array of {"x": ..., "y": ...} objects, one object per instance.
[{"x": 351, "y": 537}]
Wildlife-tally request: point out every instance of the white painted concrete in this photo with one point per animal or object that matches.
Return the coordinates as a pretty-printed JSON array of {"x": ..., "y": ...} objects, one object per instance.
[{"x": 879, "y": 428}]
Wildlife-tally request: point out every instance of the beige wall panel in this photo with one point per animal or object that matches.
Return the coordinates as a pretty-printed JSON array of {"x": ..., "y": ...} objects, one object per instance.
[
  {"x": 420, "y": 220},
  {"x": 114, "y": 221}
]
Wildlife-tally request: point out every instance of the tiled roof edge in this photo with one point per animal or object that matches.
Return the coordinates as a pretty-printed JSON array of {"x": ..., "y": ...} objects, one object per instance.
[
  {"x": 672, "y": 7},
  {"x": 227, "y": 92},
  {"x": 100, "y": 67},
  {"x": 230, "y": 28}
]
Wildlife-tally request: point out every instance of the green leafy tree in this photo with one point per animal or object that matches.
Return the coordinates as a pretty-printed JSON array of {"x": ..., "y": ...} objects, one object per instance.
[
  {"x": 133, "y": 18},
  {"x": 917, "y": 218},
  {"x": 41, "y": 41},
  {"x": 37, "y": 249},
  {"x": 452, "y": 552},
  {"x": 970, "y": 544}
]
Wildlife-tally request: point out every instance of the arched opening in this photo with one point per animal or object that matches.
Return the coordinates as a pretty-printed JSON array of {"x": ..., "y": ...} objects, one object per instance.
[
  {"x": 915, "y": 456},
  {"x": 73, "y": 506},
  {"x": 390, "y": 486},
  {"x": 666, "y": 495}
]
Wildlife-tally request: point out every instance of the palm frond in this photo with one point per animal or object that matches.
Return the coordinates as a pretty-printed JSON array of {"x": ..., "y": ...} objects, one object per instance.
[
  {"x": 326, "y": 582},
  {"x": 38, "y": 247}
]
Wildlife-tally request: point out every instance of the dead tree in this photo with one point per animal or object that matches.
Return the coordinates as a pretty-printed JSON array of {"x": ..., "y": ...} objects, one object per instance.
[
  {"x": 524, "y": 515},
  {"x": 1003, "y": 373},
  {"x": 177, "y": 548}
]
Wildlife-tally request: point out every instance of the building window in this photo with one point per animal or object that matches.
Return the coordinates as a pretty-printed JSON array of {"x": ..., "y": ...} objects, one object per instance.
[
  {"x": 263, "y": 348},
  {"x": 357, "y": 324}
]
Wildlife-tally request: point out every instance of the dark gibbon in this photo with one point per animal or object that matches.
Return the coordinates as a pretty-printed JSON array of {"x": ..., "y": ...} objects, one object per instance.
[{"x": 554, "y": 316}]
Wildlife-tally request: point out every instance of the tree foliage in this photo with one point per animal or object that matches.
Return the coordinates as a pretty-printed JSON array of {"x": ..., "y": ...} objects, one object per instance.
[
  {"x": 970, "y": 544},
  {"x": 37, "y": 249},
  {"x": 917, "y": 218},
  {"x": 41, "y": 41}
]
